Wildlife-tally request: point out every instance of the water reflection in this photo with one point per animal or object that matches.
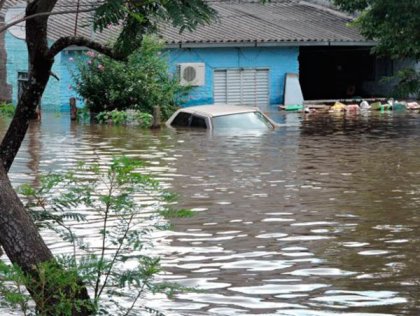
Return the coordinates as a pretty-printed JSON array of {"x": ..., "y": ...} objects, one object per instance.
[{"x": 317, "y": 218}]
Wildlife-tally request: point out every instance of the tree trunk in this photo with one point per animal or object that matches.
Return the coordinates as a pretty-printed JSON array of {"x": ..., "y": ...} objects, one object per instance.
[
  {"x": 24, "y": 246},
  {"x": 40, "y": 65},
  {"x": 19, "y": 235}
]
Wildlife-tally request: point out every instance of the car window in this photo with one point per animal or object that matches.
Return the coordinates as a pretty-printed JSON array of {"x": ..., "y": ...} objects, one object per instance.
[
  {"x": 188, "y": 120},
  {"x": 250, "y": 120},
  {"x": 197, "y": 121},
  {"x": 181, "y": 120}
]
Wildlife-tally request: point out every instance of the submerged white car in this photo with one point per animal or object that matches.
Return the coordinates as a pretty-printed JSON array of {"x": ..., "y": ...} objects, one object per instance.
[{"x": 221, "y": 116}]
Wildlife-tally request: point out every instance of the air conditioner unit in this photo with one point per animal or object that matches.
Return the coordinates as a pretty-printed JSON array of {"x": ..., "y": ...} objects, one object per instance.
[{"x": 191, "y": 74}]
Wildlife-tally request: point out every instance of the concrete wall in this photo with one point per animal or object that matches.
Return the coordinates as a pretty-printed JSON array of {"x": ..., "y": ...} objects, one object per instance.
[{"x": 279, "y": 61}]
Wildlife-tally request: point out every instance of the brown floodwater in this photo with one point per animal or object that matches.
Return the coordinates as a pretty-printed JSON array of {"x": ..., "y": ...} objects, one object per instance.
[{"x": 320, "y": 217}]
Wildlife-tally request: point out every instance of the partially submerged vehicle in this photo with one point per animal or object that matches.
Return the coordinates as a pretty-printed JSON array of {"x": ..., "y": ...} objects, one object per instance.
[{"x": 221, "y": 116}]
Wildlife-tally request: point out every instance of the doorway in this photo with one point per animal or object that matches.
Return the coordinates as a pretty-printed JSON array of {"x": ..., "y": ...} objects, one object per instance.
[{"x": 335, "y": 72}]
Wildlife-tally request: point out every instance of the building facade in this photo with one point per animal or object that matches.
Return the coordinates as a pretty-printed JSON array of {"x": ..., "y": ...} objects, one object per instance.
[
  {"x": 248, "y": 75},
  {"x": 243, "y": 57}
]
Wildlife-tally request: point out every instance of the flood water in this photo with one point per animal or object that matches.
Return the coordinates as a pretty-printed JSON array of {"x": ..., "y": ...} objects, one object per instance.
[{"x": 320, "y": 217}]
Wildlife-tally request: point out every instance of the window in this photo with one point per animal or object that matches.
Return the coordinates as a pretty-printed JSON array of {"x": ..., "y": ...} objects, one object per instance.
[
  {"x": 198, "y": 122},
  {"x": 246, "y": 121},
  {"x": 22, "y": 82},
  {"x": 189, "y": 120},
  {"x": 181, "y": 120}
]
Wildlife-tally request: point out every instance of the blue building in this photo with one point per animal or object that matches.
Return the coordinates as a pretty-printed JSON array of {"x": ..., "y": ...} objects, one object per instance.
[
  {"x": 242, "y": 58},
  {"x": 15, "y": 66},
  {"x": 249, "y": 75}
]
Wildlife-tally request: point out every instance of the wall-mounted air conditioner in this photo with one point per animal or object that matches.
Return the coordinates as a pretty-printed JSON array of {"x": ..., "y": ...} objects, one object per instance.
[{"x": 191, "y": 74}]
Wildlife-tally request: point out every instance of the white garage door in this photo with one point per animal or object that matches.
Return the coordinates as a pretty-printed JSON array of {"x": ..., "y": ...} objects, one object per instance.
[{"x": 241, "y": 86}]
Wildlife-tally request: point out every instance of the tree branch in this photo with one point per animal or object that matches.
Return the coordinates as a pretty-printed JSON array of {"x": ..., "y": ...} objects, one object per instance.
[
  {"x": 67, "y": 41},
  {"x": 36, "y": 15}
]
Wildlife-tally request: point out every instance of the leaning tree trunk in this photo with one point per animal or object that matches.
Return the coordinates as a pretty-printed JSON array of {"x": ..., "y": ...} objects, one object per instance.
[
  {"x": 24, "y": 246},
  {"x": 18, "y": 234},
  {"x": 40, "y": 65}
]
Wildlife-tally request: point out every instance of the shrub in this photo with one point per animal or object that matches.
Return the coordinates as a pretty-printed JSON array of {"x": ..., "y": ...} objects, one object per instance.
[
  {"x": 7, "y": 110},
  {"x": 140, "y": 83},
  {"x": 408, "y": 83},
  {"x": 128, "y": 117}
]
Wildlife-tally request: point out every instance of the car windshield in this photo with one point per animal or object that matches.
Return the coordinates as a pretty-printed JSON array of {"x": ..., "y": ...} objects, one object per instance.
[{"x": 249, "y": 120}]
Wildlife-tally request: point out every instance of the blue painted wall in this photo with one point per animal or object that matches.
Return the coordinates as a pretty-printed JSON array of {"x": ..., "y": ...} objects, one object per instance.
[
  {"x": 57, "y": 93},
  {"x": 17, "y": 60},
  {"x": 279, "y": 60},
  {"x": 68, "y": 68}
]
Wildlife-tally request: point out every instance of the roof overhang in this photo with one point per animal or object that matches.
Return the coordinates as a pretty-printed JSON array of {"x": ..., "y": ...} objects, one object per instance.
[{"x": 272, "y": 44}]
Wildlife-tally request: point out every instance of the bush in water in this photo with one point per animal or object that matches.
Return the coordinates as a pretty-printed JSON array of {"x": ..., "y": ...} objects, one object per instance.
[
  {"x": 7, "y": 110},
  {"x": 140, "y": 83},
  {"x": 128, "y": 117}
]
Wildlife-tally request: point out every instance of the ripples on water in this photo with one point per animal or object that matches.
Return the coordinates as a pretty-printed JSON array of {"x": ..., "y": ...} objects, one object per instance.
[{"x": 317, "y": 218}]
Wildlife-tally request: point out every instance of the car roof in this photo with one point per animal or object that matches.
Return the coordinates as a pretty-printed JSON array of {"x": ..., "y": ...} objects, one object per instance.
[{"x": 218, "y": 109}]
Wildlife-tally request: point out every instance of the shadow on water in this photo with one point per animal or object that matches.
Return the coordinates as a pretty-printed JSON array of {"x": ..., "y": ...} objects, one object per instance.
[{"x": 319, "y": 217}]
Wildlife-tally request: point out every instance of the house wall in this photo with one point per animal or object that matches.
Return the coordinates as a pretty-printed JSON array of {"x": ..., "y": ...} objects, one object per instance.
[
  {"x": 5, "y": 89},
  {"x": 17, "y": 60},
  {"x": 56, "y": 97},
  {"x": 279, "y": 61}
]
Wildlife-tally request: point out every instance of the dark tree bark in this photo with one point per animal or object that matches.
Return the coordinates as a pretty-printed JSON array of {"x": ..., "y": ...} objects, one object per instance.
[
  {"x": 24, "y": 249},
  {"x": 39, "y": 72}
]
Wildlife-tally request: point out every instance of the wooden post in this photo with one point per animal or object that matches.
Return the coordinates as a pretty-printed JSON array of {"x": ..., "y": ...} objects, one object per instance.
[
  {"x": 73, "y": 109},
  {"x": 156, "y": 117}
]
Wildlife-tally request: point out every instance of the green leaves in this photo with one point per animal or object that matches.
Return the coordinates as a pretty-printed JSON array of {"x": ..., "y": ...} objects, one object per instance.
[
  {"x": 140, "y": 84},
  {"x": 126, "y": 205},
  {"x": 393, "y": 24},
  {"x": 171, "y": 213},
  {"x": 187, "y": 14},
  {"x": 111, "y": 12},
  {"x": 7, "y": 110},
  {"x": 408, "y": 83},
  {"x": 352, "y": 5}
]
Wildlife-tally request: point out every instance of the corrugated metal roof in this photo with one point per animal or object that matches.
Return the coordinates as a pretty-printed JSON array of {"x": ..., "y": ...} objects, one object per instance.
[
  {"x": 240, "y": 22},
  {"x": 281, "y": 22},
  {"x": 65, "y": 24}
]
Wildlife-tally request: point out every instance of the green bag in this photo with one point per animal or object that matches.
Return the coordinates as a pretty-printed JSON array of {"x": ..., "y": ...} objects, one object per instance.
[{"x": 294, "y": 107}]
